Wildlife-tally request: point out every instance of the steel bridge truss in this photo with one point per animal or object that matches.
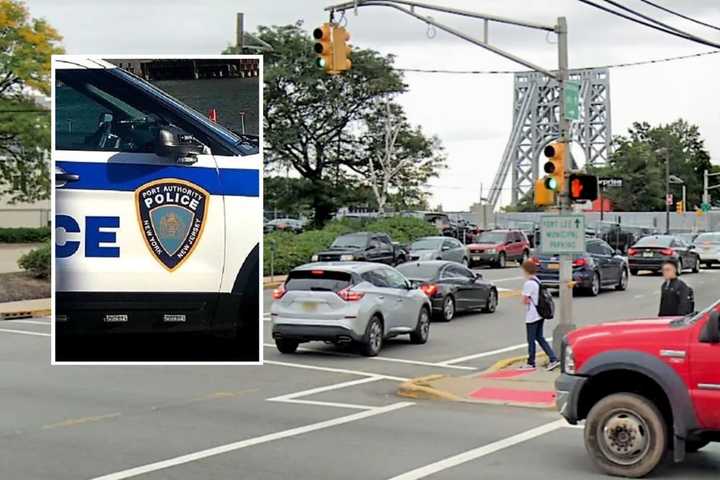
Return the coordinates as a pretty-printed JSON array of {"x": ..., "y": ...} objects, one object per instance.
[{"x": 535, "y": 124}]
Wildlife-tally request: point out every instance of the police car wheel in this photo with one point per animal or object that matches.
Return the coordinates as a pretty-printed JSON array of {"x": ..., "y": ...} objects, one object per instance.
[{"x": 286, "y": 346}]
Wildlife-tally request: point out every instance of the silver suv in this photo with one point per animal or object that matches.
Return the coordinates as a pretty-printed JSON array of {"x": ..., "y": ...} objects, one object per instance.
[{"x": 348, "y": 302}]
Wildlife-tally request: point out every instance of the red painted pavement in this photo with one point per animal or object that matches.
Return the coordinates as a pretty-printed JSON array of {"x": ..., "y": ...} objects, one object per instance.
[
  {"x": 535, "y": 397},
  {"x": 507, "y": 373}
]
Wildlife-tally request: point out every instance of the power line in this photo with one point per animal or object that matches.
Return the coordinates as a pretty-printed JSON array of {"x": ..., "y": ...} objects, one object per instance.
[
  {"x": 614, "y": 65},
  {"x": 672, "y": 12},
  {"x": 649, "y": 18},
  {"x": 692, "y": 38}
]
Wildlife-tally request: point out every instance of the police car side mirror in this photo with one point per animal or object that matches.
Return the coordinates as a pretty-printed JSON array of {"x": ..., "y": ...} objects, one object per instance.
[{"x": 173, "y": 142}]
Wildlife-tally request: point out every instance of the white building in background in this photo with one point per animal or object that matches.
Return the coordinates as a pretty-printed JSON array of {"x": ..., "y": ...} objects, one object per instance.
[{"x": 35, "y": 214}]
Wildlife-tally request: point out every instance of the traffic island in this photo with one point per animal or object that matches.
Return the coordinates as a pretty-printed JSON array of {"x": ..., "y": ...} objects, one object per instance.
[
  {"x": 39, "y": 307},
  {"x": 502, "y": 384}
]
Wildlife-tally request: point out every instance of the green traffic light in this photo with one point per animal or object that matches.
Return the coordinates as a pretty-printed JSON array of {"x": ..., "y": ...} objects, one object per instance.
[
  {"x": 320, "y": 62},
  {"x": 551, "y": 183}
]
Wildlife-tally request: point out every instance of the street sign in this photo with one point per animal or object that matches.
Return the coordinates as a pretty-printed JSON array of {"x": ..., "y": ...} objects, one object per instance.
[
  {"x": 572, "y": 100},
  {"x": 669, "y": 199},
  {"x": 562, "y": 234},
  {"x": 705, "y": 207},
  {"x": 610, "y": 182}
]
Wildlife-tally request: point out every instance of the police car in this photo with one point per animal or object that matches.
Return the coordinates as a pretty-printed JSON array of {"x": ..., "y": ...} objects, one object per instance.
[{"x": 158, "y": 222}]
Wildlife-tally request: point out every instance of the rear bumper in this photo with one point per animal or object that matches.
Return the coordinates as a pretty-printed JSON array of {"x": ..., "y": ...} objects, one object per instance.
[
  {"x": 567, "y": 395},
  {"x": 653, "y": 264},
  {"x": 482, "y": 258},
  {"x": 307, "y": 333}
]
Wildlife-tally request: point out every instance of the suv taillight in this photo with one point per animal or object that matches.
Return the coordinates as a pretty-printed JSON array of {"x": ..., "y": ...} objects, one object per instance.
[
  {"x": 350, "y": 296},
  {"x": 279, "y": 292}
]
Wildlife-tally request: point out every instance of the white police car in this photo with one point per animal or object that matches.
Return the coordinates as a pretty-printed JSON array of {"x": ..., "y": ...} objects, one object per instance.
[{"x": 158, "y": 222}]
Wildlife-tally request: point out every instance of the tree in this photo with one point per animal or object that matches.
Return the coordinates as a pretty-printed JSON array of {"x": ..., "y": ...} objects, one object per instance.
[
  {"x": 24, "y": 124},
  {"x": 397, "y": 157},
  {"x": 635, "y": 159},
  {"x": 316, "y": 123}
]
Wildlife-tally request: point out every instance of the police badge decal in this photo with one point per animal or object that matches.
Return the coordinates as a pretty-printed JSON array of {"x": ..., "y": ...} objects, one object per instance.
[{"x": 171, "y": 213}]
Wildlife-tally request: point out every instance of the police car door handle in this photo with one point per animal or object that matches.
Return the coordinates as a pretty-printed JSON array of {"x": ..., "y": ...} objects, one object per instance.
[{"x": 62, "y": 177}]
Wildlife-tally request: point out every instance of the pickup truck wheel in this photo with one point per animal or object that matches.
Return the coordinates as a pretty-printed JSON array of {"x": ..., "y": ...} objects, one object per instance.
[
  {"x": 693, "y": 446},
  {"x": 502, "y": 260},
  {"x": 374, "y": 336},
  {"x": 286, "y": 346},
  {"x": 626, "y": 435},
  {"x": 422, "y": 331}
]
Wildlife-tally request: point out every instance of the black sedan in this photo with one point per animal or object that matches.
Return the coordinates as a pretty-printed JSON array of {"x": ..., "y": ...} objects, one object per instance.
[
  {"x": 600, "y": 266},
  {"x": 451, "y": 287},
  {"x": 649, "y": 253}
]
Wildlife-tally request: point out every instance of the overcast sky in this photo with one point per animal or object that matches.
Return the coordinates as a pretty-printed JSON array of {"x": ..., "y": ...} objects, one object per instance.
[{"x": 471, "y": 113}]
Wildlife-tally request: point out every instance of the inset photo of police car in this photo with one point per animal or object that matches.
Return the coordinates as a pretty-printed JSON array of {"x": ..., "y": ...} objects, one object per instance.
[{"x": 158, "y": 209}]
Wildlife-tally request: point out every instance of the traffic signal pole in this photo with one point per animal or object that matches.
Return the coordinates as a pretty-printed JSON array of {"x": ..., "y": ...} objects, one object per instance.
[
  {"x": 413, "y": 9},
  {"x": 565, "y": 323}
]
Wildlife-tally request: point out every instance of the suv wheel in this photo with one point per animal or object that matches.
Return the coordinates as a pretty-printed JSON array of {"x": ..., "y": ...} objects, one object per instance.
[
  {"x": 286, "y": 346},
  {"x": 502, "y": 260},
  {"x": 492, "y": 302},
  {"x": 448, "y": 308},
  {"x": 626, "y": 435},
  {"x": 373, "y": 341},
  {"x": 422, "y": 331},
  {"x": 594, "y": 289},
  {"x": 623, "y": 283}
]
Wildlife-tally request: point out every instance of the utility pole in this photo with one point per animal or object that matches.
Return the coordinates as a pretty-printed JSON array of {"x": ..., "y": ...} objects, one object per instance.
[
  {"x": 667, "y": 192},
  {"x": 240, "y": 32}
]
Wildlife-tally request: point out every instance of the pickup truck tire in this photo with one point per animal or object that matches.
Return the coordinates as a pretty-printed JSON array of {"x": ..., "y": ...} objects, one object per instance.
[
  {"x": 626, "y": 435},
  {"x": 286, "y": 346},
  {"x": 501, "y": 261},
  {"x": 692, "y": 446}
]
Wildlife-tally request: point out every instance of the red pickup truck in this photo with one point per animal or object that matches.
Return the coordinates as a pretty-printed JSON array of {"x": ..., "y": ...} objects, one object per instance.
[{"x": 644, "y": 388}]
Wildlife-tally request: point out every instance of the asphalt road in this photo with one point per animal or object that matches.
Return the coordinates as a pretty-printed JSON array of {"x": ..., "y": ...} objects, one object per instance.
[{"x": 320, "y": 413}]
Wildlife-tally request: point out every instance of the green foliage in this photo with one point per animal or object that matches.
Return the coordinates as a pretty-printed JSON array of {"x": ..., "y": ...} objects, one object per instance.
[
  {"x": 37, "y": 261},
  {"x": 636, "y": 160},
  {"x": 24, "y": 125},
  {"x": 24, "y": 235},
  {"x": 291, "y": 250}
]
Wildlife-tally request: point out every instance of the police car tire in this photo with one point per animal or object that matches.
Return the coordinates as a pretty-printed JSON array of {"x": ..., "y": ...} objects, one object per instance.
[{"x": 286, "y": 346}]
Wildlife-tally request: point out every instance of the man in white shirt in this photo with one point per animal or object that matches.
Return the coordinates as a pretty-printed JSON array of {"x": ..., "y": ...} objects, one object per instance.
[{"x": 533, "y": 320}]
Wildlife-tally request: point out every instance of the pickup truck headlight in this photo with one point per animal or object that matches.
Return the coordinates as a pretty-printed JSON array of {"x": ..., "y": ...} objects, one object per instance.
[
  {"x": 346, "y": 258},
  {"x": 568, "y": 360},
  {"x": 315, "y": 258}
]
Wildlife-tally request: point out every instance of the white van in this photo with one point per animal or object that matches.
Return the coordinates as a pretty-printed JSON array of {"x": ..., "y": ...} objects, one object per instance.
[{"x": 158, "y": 209}]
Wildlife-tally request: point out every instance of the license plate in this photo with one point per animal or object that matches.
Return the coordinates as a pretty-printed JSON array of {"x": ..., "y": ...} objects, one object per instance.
[
  {"x": 648, "y": 254},
  {"x": 309, "y": 306},
  {"x": 476, "y": 257},
  {"x": 553, "y": 266}
]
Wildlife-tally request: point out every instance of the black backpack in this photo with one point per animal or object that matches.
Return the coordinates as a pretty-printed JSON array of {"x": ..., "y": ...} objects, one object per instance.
[{"x": 545, "y": 306}]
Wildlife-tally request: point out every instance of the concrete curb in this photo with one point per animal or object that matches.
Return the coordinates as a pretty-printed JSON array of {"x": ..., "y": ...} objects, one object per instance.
[
  {"x": 30, "y": 313},
  {"x": 504, "y": 363},
  {"x": 419, "y": 388}
]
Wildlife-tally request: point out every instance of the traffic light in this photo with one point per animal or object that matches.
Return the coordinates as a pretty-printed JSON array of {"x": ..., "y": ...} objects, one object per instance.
[
  {"x": 340, "y": 49},
  {"x": 679, "y": 207},
  {"x": 555, "y": 167},
  {"x": 583, "y": 187},
  {"x": 543, "y": 196},
  {"x": 323, "y": 47}
]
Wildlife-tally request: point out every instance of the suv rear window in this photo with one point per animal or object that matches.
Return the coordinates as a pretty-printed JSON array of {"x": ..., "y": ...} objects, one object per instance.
[{"x": 318, "y": 280}]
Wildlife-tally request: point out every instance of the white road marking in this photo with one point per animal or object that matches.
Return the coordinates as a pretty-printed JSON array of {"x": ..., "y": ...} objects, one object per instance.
[
  {"x": 509, "y": 279},
  {"x": 335, "y": 370},
  {"x": 24, "y": 332},
  {"x": 480, "y": 452},
  {"x": 30, "y": 322},
  {"x": 379, "y": 358},
  {"x": 489, "y": 353},
  {"x": 293, "y": 397},
  {"x": 230, "y": 447}
]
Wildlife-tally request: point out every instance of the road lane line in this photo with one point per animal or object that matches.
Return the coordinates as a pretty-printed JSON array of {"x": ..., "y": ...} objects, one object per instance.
[
  {"x": 230, "y": 447},
  {"x": 489, "y": 353},
  {"x": 509, "y": 279},
  {"x": 24, "y": 332},
  {"x": 319, "y": 403},
  {"x": 378, "y": 358},
  {"x": 480, "y": 452},
  {"x": 326, "y": 388},
  {"x": 335, "y": 370}
]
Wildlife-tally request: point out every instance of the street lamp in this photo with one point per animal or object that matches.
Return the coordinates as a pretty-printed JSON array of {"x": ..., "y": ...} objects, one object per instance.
[{"x": 666, "y": 152}]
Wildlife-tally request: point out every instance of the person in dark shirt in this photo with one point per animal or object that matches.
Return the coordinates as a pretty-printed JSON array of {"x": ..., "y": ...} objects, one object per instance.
[{"x": 676, "y": 297}]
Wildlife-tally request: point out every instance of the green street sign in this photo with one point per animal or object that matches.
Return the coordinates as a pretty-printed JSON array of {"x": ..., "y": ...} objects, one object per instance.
[
  {"x": 572, "y": 100},
  {"x": 562, "y": 234},
  {"x": 705, "y": 207}
]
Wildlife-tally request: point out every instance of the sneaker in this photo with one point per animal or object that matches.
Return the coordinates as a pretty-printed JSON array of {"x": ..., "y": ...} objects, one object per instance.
[
  {"x": 527, "y": 366},
  {"x": 553, "y": 365}
]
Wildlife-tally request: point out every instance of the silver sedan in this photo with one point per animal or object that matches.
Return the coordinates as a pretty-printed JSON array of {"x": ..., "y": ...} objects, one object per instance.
[{"x": 438, "y": 248}]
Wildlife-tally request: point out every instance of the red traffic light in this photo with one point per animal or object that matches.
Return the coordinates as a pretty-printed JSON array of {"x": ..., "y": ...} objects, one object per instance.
[{"x": 583, "y": 187}]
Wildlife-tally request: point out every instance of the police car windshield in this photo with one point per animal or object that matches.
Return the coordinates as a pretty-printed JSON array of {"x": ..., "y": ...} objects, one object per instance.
[{"x": 247, "y": 144}]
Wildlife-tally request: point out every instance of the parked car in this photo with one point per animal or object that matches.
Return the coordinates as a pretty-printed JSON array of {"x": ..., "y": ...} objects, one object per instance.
[
  {"x": 348, "y": 302},
  {"x": 451, "y": 287},
  {"x": 621, "y": 237},
  {"x": 364, "y": 247},
  {"x": 707, "y": 246},
  {"x": 285, "y": 224},
  {"x": 438, "y": 248},
  {"x": 600, "y": 266},
  {"x": 649, "y": 253},
  {"x": 644, "y": 388},
  {"x": 686, "y": 237},
  {"x": 497, "y": 247}
]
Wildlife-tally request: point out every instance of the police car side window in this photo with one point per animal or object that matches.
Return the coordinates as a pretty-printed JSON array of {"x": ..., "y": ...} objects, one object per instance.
[{"x": 76, "y": 117}]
